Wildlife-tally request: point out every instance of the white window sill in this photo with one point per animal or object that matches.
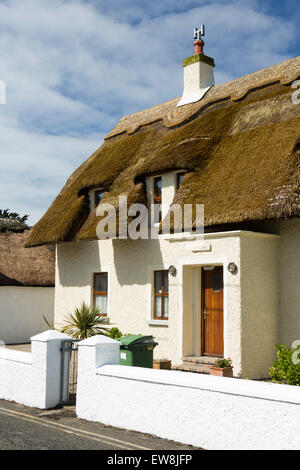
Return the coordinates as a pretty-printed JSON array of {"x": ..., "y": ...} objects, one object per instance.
[{"x": 158, "y": 322}]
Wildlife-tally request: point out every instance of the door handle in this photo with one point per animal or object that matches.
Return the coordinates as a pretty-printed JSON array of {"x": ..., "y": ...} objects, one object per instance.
[{"x": 204, "y": 314}]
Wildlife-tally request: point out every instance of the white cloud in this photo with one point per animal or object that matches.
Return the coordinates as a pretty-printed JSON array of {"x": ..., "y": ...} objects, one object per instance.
[
  {"x": 72, "y": 68},
  {"x": 35, "y": 166}
]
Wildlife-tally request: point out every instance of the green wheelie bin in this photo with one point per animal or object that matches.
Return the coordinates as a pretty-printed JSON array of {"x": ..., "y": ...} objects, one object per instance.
[{"x": 137, "y": 350}]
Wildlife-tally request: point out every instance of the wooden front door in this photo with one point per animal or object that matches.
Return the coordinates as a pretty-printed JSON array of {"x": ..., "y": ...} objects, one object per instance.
[{"x": 212, "y": 312}]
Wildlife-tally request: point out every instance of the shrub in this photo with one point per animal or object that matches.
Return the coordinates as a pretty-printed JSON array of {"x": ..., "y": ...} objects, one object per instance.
[
  {"x": 86, "y": 321},
  {"x": 223, "y": 363},
  {"x": 115, "y": 333},
  {"x": 286, "y": 368}
]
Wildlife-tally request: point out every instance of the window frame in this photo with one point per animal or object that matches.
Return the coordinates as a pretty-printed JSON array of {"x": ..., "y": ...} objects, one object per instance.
[
  {"x": 102, "y": 293},
  {"x": 162, "y": 295}
]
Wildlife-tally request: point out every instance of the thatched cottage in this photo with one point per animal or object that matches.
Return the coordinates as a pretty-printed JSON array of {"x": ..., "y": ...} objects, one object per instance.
[
  {"x": 27, "y": 278},
  {"x": 235, "y": 148}
]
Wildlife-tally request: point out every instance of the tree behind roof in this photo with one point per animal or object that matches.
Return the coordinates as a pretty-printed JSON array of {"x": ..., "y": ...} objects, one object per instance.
[{"x": 12, "y": 221}]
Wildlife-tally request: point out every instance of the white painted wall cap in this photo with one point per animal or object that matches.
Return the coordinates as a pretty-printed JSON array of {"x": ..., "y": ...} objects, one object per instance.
[
  {"x": 49, "y": 335},
  {"x": 98, "y": 339},
  {"x": 192, "y": 97},
  {"x": 247, "y": 388},
  {"x": 16, "y": 356}
]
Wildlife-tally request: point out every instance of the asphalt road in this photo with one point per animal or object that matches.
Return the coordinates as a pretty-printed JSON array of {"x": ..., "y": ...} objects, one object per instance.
[{"x": 23, "y": 428}]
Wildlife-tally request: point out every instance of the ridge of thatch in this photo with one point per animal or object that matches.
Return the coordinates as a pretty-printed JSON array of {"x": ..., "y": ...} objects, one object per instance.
[
  {"x": 285, "y": 73},
  {"x": 20, "y": 266},
  {"x": 241, "y": 154}
]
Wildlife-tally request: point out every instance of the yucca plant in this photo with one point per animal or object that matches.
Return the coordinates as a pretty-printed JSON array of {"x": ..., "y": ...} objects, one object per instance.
[
  {"x": 49, "y": 323},
  {"x": 84, "y": 322}
]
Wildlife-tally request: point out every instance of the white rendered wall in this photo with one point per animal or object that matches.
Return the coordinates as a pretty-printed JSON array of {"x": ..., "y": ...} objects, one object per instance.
[
  {"x": 260, "y": 303},
  {"x": 289, "y": 281},
  {"x": 218, "y": 249},
  {"x": 21, "y": 312},
  {"x": 33, "y": 379},
  {"x": 205, "y": 411},
  {"x": 130, "y": 265}
]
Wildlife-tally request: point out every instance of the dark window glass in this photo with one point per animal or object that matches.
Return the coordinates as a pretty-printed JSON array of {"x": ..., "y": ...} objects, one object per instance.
[
  {"x": 100, "y": 292},
  {"x": 217, "y": 282},
  {"x": 157, "y": 189},
  {"x": 161, "y": 295},
  {"x": 98, "y": 196},
  {"x": 179, "y": 179},
  {"x": 100, "y": 282},
  {"x": 157, "y": 194},
  {"x": 166, "y": 281},
  {"x": 158, "y": 281}
]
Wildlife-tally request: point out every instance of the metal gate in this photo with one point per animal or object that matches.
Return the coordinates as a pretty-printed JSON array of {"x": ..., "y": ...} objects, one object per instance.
[{"x": 68, "y": 371}]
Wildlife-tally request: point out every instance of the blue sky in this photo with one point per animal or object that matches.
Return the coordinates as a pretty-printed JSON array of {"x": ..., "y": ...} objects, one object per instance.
[{"x": 72, "y": 68}]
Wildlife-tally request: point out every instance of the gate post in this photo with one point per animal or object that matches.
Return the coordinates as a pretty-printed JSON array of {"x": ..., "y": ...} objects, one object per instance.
[
  {"x": 46, "y": 366},
  {"x": 94, "y": 352}
]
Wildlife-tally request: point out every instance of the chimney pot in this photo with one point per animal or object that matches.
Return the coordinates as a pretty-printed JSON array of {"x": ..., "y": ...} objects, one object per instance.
[{"x": 199, "y": 44}]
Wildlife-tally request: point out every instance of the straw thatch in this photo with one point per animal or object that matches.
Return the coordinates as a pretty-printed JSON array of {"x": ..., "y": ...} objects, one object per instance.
[
  {"x": 25, "y": 267},
  {"x": 240, "y": 144},
  {"x": 12, "y": 225}
]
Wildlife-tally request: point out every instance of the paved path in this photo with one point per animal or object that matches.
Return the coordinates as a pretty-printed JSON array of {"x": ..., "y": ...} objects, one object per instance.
[
  {"x": 26, "y": 347},
  {"x": 30, "y": 428}
]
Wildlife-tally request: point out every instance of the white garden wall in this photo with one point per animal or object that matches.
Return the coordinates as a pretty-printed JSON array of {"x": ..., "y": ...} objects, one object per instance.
[
  {"x": 205, "y": 411},
  {"x": 21, "y": 312},
  {"x": 33, "y": 379}
]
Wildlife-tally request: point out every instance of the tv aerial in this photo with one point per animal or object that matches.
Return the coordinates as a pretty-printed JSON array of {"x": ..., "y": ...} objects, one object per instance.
[{"x": 198, "y": 33}]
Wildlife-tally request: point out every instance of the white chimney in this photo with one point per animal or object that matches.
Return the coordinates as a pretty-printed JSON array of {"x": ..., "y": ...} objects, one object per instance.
[{"x": 198, "y": 71}]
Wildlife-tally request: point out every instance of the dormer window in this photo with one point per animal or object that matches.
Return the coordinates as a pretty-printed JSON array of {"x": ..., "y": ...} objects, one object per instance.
[
  {"x": 161, "y": 190},
  {"x": 157, "y": 187},
  {"x": 98, "y": 195}
]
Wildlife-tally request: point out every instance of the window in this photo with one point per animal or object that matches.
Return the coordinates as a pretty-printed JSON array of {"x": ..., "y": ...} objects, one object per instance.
[
  {"x": 98, "y": 195},
  {"x": 217, "y": 282},
  {"x": 100, "y": 292},
  {"x": 157, "y": 194},
  {"x": 161, "y": 295},
  {"x": 179, "y": 178}
]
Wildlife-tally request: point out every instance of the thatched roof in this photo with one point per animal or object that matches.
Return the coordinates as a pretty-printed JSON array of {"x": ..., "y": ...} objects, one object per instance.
[
  {"x": 12, "y": 224},
  {"x": 240, "y": 144},
  {"x": 25, "y": 267}
]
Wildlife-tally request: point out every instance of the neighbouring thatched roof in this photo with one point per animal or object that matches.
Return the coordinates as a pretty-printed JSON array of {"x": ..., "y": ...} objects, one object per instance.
[
  {"x": 12, "y": 224},
  {"x": 240, "y": 144},
  {"x": 20, "y": 266}
]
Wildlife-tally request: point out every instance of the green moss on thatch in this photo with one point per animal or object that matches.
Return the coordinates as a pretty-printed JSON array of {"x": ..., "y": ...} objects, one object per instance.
[
  {"x": 240, "y": 154},
  {"x": 238, "y": 184}
]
